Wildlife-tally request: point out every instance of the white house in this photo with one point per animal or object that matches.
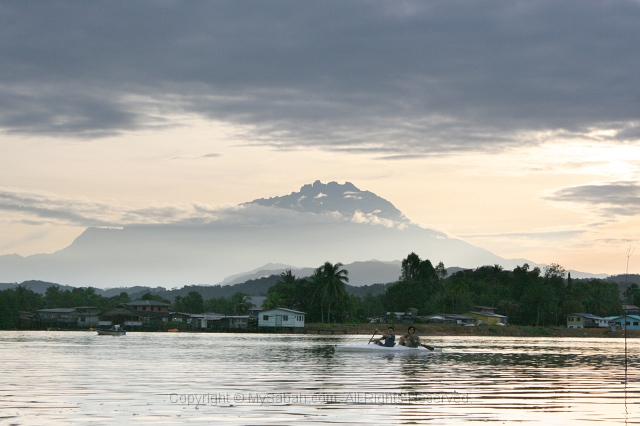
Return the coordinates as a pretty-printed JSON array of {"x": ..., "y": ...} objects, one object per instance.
[{"x": 281, "y": 317}]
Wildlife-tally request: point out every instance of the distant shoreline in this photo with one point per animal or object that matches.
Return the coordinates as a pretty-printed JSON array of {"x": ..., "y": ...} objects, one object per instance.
[
  {"x": 424, "y": 330},
  {"x": 428, "y": 330}
]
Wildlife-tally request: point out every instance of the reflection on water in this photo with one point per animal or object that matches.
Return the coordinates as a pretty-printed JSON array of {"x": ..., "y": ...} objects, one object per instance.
[{"x": 173, "y": 378}]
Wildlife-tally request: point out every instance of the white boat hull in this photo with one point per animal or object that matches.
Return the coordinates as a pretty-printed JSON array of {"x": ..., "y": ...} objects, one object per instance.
[
  {"x": 111, "y": 332},
  {"x": 372, "y": 348}
]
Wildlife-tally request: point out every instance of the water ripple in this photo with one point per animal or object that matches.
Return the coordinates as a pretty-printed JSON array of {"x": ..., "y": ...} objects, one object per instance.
[{"x": 169, "y": 378}]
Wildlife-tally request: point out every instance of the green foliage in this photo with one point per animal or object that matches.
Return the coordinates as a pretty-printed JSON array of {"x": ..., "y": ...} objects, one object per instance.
[
  {"x": 192, "y": 303},
  {"x": 241, "y": 303},
  {"x": 330, "y": 289},
  {"x": 632, "y": 294},
  {"x": 154, "y": 297},
  {"x": 527, "y": 296},
  {"x": 16, "y": 300}
]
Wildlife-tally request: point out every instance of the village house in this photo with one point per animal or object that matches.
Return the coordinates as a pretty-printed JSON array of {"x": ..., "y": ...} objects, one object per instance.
[
  {"x": 586, "y": 321},
  {"x": 180, "y": 317},
  {"x": 485, "y": 315},
  {"x": 80, "y": 317},
  {"x": 149, "y": 306},
  {"x": 210, "y": 321},
  {"x": 449, "y": 319},
  {"x": 237, "y": 322},
  {"x": 631, "y": 309},
  {"x": 150, "y": 310},
  {"x": 628, "y": 322},
  {"x": 120, "y": 315},
  {"x": 281, "y": 317}
]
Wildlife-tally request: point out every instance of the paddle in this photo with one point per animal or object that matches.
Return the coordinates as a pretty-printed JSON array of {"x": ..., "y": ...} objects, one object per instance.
[
  {"x": 431, "y": 348},
  {"x": 374, "y": 333}
]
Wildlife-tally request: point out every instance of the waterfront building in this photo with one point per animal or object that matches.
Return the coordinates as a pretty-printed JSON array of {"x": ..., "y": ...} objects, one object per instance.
[
  {"x": 580, "y": 320},
  {"x": 485, "y": 315},
  {"x": 281, "y": 317},
  {"x": 629, "y": 322}
]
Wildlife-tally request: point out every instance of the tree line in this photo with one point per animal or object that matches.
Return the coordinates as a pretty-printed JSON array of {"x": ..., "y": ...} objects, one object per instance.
[{"x": 528, "y": 296}]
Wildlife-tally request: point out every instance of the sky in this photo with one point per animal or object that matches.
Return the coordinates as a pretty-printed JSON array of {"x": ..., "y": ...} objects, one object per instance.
[{"x": 513, "y": 125}]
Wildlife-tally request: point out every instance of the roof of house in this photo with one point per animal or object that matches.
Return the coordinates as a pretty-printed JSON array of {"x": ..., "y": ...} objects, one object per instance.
[
  {"x": 286, "y": 310},
  {"x": 57, "y": 310},
  {"x": 119, "y": 311},
  {"x": 455, "y": 316},
  {"x": 146, "y": 303},
  {"x": 488, "y": 314},
  {"x": 589, "y": 316},
  {"x": 637, "y": 317}
]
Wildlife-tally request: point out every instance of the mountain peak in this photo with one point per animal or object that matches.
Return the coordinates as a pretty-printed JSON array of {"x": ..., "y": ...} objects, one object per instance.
[{"x": 346, "y": 199}]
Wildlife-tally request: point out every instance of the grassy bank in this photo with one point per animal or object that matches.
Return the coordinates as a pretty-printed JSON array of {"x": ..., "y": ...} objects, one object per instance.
[{"x": 454, "y": 330}]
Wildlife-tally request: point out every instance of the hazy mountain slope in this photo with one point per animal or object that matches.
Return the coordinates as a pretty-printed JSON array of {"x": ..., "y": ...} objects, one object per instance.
[
  {"x": 360, "y": 273},
  {"x": 357, "y": 225}
]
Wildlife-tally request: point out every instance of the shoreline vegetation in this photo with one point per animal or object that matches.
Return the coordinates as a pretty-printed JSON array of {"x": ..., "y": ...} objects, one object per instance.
[{"x": 525, "y": 301}]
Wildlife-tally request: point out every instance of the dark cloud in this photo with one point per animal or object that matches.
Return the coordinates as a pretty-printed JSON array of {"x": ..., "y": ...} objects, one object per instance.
[
  {"x": 398, "y": 78},
  {"x": 614, "y": 198}
]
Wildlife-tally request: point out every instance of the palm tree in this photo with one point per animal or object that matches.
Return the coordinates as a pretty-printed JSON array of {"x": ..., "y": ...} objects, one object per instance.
[
  {"x": 317, "y": 281},
  {"x": 333, "y": 285},
  {"x": 273, "y": 300},
  {"x": 457, "y": 288},
  {"x": 287, "y": 278},
  {"x": 241, "y": 303}
]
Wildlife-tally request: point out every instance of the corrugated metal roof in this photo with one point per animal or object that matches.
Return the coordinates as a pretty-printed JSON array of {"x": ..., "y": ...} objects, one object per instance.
[
  {"x": 590, "y": 316},
  {"x": 489, "y": 314},
  {"x": 283, "y": 309},
  {"x": 57, "y": 310},
  {"x": 146, "y": 303}
]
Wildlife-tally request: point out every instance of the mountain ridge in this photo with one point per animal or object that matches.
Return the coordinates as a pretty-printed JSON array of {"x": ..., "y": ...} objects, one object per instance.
[{"x": 333, "y": 222}]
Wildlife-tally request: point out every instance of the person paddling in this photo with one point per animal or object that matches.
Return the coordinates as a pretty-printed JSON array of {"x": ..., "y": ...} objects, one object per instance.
[
  {"x": 412, "y": 340},
  {"x": 389, "y": 338}
]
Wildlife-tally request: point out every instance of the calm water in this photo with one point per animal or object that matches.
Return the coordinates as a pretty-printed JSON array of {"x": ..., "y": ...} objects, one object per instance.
[{"x": 170, "y": 378}]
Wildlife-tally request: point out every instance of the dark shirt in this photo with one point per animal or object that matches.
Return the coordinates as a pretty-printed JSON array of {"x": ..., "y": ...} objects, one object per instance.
[{"x": 390, "y": 341}]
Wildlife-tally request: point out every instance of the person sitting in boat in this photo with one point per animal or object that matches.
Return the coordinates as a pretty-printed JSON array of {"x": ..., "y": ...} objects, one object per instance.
[
  {"x": 410, "y": 339},
  {"x": 389, "y": 338}
]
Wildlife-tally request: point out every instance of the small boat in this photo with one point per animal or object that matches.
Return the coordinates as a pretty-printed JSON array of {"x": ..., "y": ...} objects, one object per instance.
[
  {"x": 115, "y": 331},
  {"x": 386, "y": 349}
]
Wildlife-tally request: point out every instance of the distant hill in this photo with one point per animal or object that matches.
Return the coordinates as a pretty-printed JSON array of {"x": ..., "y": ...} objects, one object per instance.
[
  {"x": 360, "y": 273},
  {"x": 37, "y": 286},
  {"x": 624, "y": 281}
]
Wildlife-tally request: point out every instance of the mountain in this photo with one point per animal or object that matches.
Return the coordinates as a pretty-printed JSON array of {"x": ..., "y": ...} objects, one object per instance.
[
  {"x": 347, "y": 200},
  {"x": 264, "y": 271},
  {"x": 360, "y": 273},
  {"x": 321, "y": 222}
]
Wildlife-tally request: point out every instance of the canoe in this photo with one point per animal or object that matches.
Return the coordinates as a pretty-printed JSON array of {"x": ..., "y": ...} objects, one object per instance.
[
  {"x": 384, "y": 349},
  {"x": 111, "y": 332}
]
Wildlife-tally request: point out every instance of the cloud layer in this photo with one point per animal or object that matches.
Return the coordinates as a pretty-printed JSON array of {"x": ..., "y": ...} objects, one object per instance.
[
  {"x": 611, "y": 198},
  {"x": 397, "y": 79},
  {"x": 38, "y": 208}
]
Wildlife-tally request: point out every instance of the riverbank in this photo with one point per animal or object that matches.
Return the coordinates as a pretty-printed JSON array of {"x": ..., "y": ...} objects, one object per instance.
[{"x": 455, "y": 330}]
